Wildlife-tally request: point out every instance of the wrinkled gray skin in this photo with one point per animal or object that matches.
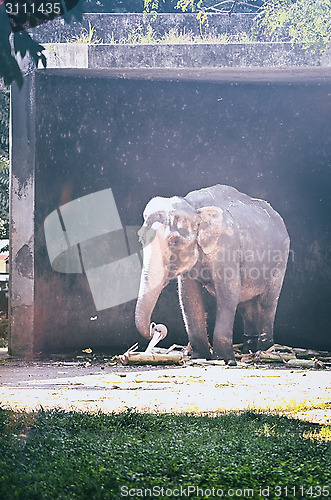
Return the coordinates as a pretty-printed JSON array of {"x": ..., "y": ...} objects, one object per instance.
[{"x": 234, "y": 246}]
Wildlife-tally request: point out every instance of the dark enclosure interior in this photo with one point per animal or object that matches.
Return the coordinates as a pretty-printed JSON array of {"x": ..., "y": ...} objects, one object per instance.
[{"x": 143, "y": 138}]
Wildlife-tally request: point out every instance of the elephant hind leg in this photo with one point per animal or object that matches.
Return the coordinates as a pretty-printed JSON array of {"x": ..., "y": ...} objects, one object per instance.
[
  {"x": 251, "y": 315},
  {"x": 267, "y": 318},
  {"x": 258, "y": 316}
]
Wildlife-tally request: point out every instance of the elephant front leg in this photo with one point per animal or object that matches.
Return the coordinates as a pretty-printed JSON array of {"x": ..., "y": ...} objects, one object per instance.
[
  {"x": 223, "y": 333},
  {"x": 223, "y": 337},
  {"x": 191, "y": 303}
]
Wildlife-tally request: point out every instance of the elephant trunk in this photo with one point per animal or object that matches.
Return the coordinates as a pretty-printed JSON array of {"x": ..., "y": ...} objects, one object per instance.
[
  {"x": 152, "y": 283},
  {"x": 144, "y": 309}
]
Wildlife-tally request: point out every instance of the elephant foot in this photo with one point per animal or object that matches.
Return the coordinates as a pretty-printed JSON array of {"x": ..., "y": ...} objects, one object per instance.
[
  {"x": 250, "y": 343},
  {"x": 201, "y": 355},
  {"x": 229, "y": 360},
  {"x": 223, "y": 350},
  {"x": 264, "y": 342},
  {"x": 202, "y": 351}
]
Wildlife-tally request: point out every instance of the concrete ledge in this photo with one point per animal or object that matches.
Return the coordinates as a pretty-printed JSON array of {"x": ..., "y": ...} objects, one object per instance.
[
  {"x": 260, "y": 60},
  {"x": 258, "y": 54},
  {"x": 290, "y": 75},
  {"x": 65, "y": 55}
]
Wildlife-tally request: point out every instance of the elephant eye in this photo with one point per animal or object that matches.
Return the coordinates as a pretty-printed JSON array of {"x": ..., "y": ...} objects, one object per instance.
[
  {"x": 174, "y": 241},
  {"x": 160, "y": 217}
]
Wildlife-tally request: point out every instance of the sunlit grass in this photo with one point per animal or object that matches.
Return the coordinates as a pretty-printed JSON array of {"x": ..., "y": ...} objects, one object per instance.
[
  {"x": 175, "y": 36},
  {"x": 323, "y": 434},
  {"x": 293, "y": 407}
]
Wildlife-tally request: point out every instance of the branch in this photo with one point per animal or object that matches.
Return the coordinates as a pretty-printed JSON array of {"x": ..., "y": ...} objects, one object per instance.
[
  {"x": 233, "y": 7},
  {"x": 235, "y": 2}
]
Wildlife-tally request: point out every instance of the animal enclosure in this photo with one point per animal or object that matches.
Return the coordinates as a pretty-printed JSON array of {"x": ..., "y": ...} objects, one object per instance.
[{"x": 145, "y": 133}]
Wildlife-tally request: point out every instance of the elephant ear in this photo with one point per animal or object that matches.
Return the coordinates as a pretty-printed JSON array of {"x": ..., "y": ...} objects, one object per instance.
[{"x": 210, "y": 228}]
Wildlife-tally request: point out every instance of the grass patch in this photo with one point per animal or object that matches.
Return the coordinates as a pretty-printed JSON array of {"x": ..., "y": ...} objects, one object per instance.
[
  {"x": 68, "y": 455},
  {"x": 293, "y": 407},
  {"x": 86, "y": 36},
  {"x": 146, "y": 35}
]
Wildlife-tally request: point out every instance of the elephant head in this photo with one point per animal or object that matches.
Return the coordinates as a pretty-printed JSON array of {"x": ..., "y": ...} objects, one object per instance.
[{"x": 172, "y": 234}]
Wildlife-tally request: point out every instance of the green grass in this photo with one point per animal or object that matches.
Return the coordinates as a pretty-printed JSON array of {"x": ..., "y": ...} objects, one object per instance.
[
  {"x": 146, "y": 35},
  {"x": 86, "y": 36},
  {"x": 59, "y": 455}
]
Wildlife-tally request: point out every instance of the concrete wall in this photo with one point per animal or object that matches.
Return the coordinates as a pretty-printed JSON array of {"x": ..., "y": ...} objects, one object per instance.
[
  {"x": 147, "y": 132},
  {"x": 22, "y": 211}
]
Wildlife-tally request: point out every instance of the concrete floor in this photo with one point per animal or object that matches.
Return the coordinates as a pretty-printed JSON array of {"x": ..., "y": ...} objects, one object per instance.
[{"x": 92, "y": 385}]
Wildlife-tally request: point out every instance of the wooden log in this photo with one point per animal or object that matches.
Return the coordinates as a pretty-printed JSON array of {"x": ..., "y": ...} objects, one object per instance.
[
  {"x": 305, "y": 353},
  {"x": 280, "y": 348},
  {"x": 273, "y": 357},
  {"x": 152, "y": 358},
  {"x": 304, "y": 363},
  {"x": 248, "y": 358}
]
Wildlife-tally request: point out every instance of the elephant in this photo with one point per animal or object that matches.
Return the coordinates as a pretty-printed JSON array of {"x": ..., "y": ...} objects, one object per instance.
[{"x": 235, "y": 246}]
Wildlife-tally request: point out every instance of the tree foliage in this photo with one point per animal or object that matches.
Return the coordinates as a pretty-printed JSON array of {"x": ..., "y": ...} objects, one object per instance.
[
  {"x": 167, "y": 6},
  {"x": 21, "y": 44},
  {"x": 304, "y": 22},
  {"x": 203, "y": 6},
  {"x": 16, "y": 42}
]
